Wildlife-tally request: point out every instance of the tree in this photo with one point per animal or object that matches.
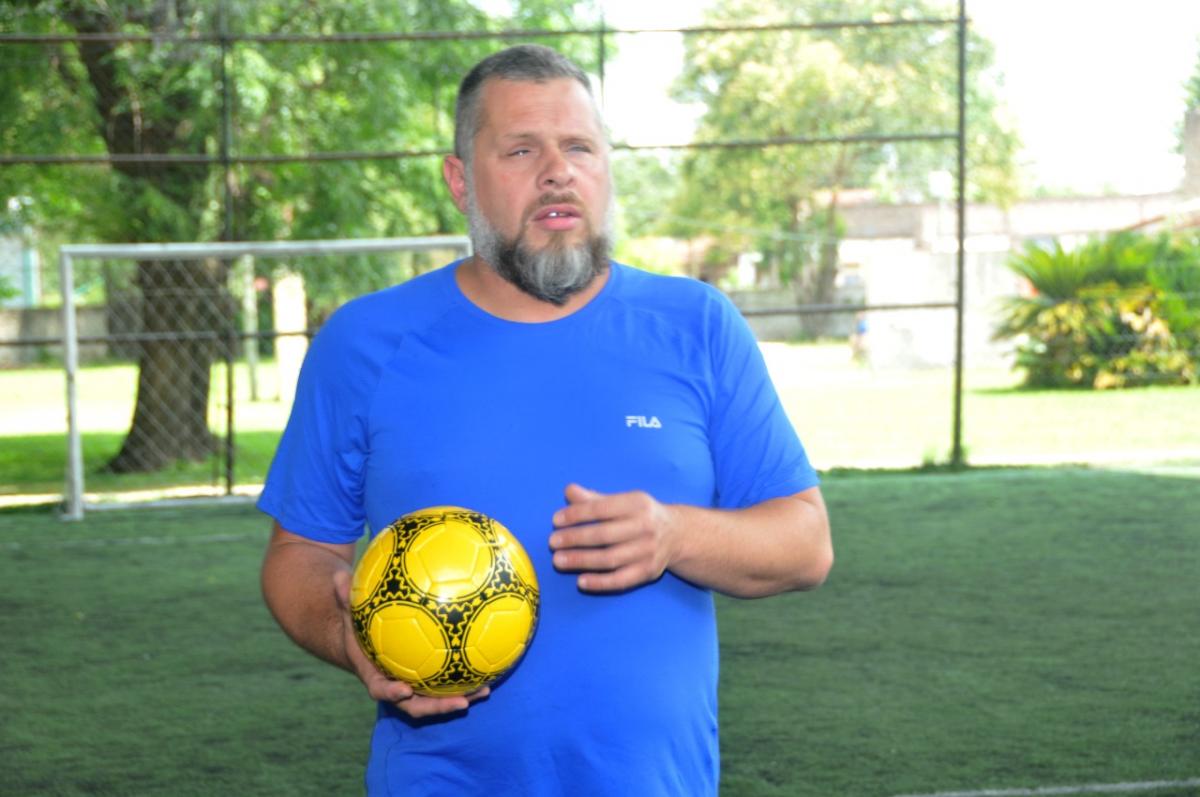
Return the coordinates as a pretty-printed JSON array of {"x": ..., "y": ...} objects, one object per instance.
[
  {"x": 1192, "y": 86},
  {"x": 827, "y": 83},
  {"x": 1191, "y": 89},
  {"x": 164, "y": 97}
]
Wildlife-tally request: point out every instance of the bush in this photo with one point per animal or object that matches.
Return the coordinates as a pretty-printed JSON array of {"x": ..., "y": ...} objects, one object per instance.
[{"x": 1119, "y": 311}]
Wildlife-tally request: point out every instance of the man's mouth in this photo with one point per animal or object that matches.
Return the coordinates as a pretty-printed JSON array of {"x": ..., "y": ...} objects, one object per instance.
[
  {"x": 557, "y": 212},
  {"x": 558, "y": 217}
]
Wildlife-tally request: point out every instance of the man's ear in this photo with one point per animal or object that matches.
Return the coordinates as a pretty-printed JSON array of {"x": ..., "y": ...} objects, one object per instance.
[{"x": 454, "y": 172}]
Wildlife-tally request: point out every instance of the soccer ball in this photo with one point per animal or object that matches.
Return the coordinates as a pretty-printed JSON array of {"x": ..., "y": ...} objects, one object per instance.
[{"x": 444, "y": 599}]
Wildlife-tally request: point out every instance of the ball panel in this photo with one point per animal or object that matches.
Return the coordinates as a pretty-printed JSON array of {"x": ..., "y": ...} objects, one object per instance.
[
  {"x": 449, "y": 561},
  {"x": 497, "y": 637},
  {"x": 408, "y": 642},
  {"x": 437, "y": 511},
  {"x": 370, "y": 568},
  {"x": 516, "y": 555},
  {"x": 446, "y": 690}
]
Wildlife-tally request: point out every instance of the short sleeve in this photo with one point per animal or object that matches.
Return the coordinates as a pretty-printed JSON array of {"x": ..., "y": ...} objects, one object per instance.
[
  {"x": 756, "y": 451},
  {"x": 314, "y": 487}
]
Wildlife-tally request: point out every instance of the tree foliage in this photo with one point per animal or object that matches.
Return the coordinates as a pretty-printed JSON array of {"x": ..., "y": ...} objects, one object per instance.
[
  {"x": 169, "y": 95},
  {"x": 1192, "y": 86},
  {"x": 1191, "y": 99},
  {"x": 285, "y": 98},
  {"x": 828, "y": 83}
]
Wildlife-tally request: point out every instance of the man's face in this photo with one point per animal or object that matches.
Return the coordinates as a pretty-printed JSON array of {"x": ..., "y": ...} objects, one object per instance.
[{"x": 538, "y": 193}]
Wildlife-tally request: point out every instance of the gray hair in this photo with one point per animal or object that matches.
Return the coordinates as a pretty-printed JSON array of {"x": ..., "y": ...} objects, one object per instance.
[{"x": 525, "y": 62}]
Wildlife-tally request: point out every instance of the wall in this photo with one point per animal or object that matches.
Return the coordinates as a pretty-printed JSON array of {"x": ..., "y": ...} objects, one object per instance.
[
  {"x": 1191, "y": 155},
  {"x": 849, "y": 291},
  {"x": 896, "y": 271},
  {"x": 927, "y": 223},
  {"x": 28, "y": 324},
  {"x": 907, "y": 254}
]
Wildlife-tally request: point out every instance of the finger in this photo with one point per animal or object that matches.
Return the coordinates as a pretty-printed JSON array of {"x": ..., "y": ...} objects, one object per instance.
[
  {"x": 595, "y": 535},
  {"x": 341, "y": 588},
  {"x": 618, "y": 580},
  {"x": 576, "y": 493},
  {"x": 421, "y": 706},
  {"x": 600, "y": 557},
  {"x": 389, "y": 691},
  {"x": 379, "y": 686},
  {"x": 429, "y": 706},
  {"x": 599, "y": 509},
  {"x": 583, "y": 506}
]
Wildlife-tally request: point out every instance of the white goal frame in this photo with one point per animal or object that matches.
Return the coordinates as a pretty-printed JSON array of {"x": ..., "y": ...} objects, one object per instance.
[{"x": 74, "y": 499}]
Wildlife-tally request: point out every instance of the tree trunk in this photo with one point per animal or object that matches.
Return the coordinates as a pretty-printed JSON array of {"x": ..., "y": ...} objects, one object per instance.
[
  {"x": 186, "y": 310},
  {"x": 820, "y": 287},
  {"x": 187, "y": 314},
  {"x": 820, "y": 283}
]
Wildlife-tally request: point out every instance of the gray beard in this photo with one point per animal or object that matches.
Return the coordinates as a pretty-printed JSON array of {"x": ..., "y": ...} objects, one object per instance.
[{"x": 553, "y": 274}]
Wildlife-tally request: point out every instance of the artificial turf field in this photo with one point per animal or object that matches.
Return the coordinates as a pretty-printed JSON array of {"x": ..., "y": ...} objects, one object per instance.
[{"x": 994, "y": 632}]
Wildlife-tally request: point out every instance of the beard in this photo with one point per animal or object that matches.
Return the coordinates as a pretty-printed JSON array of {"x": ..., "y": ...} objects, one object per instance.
[{"x": 553, "y": 273}]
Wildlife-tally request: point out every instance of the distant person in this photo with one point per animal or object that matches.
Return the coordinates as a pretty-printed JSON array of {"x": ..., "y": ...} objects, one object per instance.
[
  {"x": 859, "y": 351},
  {"x": 621, "y": 424}
]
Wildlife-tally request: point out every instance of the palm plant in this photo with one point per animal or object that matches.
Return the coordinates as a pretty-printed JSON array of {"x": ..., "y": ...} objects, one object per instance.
[{"x": 1118, "y": 311}]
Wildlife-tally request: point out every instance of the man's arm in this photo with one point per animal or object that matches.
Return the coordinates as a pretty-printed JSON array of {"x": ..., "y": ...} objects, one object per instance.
[
  {"x": 306, "y": 585},
  {"x": 619, "y": 541}
]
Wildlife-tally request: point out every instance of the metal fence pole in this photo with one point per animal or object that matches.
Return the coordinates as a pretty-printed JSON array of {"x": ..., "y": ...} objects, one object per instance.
[
  {"x": 227, "y": 233},
  {"x": 74, "y": 497},
  {"x": 250, "y": 321},
  {"x": 956, "y": 450},
  {"x": 226, "y": 126},
  {"x": 230, "y": 362}
]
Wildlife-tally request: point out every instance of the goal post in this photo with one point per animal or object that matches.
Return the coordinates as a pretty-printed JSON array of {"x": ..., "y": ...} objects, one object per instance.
[{"x": 75, "y": 502}]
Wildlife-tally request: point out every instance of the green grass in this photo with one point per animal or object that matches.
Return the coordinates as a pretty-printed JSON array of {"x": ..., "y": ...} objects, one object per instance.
[
  {"x": 35, "y": 464},
  {"x": 988, "y": 630},
  {"x": 33, "y": 438},
  {"x": 1004, "y": 629}
]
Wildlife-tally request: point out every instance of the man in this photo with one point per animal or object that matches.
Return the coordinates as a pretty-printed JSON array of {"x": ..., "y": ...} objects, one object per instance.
[{"x": 621, "y": 424}]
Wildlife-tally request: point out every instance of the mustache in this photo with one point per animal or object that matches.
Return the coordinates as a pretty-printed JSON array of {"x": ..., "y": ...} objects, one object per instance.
[{"x": 567, "y": 198}]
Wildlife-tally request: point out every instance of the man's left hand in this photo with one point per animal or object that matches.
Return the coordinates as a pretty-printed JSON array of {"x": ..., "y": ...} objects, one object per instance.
[{"x": 615, "y": 542}]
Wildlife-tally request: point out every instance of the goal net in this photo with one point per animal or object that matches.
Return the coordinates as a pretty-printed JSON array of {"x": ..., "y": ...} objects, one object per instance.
[{"x": 170, "y": 348}]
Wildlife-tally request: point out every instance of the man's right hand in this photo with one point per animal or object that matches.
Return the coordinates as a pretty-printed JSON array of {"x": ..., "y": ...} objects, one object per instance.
[{"x": 379, "y": 686}]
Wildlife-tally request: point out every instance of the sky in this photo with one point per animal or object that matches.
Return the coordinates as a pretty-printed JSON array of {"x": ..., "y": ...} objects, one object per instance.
[{"x": 1094, "y": 87}]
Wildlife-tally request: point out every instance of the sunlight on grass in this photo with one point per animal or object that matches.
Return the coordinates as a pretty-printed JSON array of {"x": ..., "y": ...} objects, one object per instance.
[
  {"x": 847, "y": 414},
  {"x": 33, "y": 400},
  {"x": 852, "y": 416}
]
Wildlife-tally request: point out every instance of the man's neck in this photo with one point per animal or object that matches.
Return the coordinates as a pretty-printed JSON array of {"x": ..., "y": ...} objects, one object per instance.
[{"x": 484, "y": 287}]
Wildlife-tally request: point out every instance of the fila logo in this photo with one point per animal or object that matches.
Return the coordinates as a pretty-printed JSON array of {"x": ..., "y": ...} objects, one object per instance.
[{"x": 642, "y": 422}]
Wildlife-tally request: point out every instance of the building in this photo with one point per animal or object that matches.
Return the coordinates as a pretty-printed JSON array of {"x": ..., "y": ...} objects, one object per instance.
[
  {"x": 907, "y": 253},
  {"x": 20, "y": 273}
]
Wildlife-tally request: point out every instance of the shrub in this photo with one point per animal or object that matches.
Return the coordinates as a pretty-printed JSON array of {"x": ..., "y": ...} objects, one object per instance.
[{"x": 1119, "y": 311}]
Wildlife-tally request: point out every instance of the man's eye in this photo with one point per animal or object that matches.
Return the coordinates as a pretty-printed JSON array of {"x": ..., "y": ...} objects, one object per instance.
[{"x": 518, "y": 152}]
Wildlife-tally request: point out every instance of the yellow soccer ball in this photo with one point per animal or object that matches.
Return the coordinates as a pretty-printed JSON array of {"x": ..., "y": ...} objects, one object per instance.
[{"x": 444, "y": 599}]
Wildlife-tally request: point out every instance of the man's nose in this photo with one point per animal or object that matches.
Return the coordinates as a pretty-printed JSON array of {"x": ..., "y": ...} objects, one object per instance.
[{"x": 556, "y": 171}]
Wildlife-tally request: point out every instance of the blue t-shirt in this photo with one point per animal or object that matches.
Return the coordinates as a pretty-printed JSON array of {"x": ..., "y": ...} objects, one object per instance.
[{"x": 414, "y": 397}]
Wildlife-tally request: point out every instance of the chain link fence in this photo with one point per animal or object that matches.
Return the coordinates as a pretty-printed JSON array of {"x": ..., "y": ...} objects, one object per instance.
[
  {"x": 184, "y": 363},
  {"x": 179, "y": 366},
  {"x": 174, "y": 349}
]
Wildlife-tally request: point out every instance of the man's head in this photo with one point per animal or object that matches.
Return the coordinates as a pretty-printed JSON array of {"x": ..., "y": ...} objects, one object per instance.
[
  {"x": 529, "y": 63},
  {"x": 531, "y": 171}
]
